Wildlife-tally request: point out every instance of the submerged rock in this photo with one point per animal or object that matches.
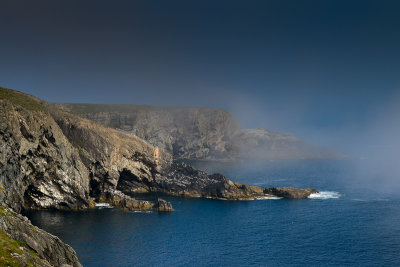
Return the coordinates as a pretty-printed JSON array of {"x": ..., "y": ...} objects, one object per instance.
[{"x": 290, "y": 192}]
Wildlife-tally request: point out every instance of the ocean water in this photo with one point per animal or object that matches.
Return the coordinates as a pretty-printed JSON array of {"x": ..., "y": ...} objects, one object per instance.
[{"x": 354, "y": 221}]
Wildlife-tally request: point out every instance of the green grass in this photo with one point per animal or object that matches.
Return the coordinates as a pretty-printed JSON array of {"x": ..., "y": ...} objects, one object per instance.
[
  {"x": 20, "y": 99},
  {"x": 10, "y": 246},
  {"x": 5, "y": 212},
  {"x": 7, "y": 247}
]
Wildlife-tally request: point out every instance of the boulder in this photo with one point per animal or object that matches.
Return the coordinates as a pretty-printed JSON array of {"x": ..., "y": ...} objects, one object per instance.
[{"x": 163, "y": 205}]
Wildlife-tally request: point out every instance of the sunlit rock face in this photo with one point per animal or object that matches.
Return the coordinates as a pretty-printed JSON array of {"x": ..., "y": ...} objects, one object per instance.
[
  {"x": 53, "y": 160},
  {"x": 39, "y": 167}
]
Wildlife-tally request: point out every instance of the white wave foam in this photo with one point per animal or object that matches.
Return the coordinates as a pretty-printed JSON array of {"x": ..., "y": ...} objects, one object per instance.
[
  {"x": 104, "y": 205},
  {"x": 268, "y": 197},
  {"x": 141, "y": 211},
  {"x": 324, "y": 195}
]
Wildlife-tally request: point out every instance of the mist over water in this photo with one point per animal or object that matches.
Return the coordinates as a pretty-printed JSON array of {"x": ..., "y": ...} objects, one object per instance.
[
  {"x": 367, "y": 132},
  {"x": 378, "y": 148}
]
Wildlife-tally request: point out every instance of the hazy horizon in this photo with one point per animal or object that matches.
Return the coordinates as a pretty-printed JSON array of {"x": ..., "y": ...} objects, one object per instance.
[{"x": 326, "y": 72}]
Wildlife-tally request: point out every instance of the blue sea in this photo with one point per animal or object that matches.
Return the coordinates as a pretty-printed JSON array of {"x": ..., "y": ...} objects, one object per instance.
[{"x": 354, "y": 221}]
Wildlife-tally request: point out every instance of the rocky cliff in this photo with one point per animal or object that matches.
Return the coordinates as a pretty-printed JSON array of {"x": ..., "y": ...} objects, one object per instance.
[
  {"x": 52, "y": 159},
  {"x": 198, "y": 133},
  {"x": 38, "y": 166},
  {"x": 22, "y": 244},
  {"x": 52, "y": 162},
  {"x": 123, "y": 163},
  {"x": 186, "y": 132}
]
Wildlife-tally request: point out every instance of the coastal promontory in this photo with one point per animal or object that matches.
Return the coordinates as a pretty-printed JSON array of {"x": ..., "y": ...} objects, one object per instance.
[{"x": 53, "y": 159}]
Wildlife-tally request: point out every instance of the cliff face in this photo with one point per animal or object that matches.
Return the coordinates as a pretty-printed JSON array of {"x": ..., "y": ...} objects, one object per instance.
[
  {"x": 38, "y": 166},
  {"x": 198, "y": 133},
  {"x": 115, "y": 160},
  {"x": 38, "y": 169},
  {"x": 122, "y": 163},
  {"x": 52, "y": 159},
  {"x": 48, "y": 161}
]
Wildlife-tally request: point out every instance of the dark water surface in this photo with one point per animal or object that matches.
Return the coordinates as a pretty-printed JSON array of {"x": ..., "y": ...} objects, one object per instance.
[{"x": 361, "y": 227}]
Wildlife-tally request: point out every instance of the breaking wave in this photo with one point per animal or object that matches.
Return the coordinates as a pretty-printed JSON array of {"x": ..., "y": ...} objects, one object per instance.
[
  {"x": 324, "y": 195},
  {"x": 268, "y": 197},
  {"x": 104, "y": 205}
]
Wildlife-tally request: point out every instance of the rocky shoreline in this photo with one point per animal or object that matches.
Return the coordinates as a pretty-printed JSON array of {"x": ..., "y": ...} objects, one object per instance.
[{"x": 52, "y": 159}]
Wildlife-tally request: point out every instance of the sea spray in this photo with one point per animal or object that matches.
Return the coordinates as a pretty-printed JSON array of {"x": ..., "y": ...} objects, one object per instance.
[{"x": 325, "y": 195}]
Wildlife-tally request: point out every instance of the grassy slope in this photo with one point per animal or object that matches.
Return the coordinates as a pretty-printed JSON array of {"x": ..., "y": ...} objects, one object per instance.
[
  {"x": 83, "y": 108},
  {"x": 23, "y": 100},
  {"x": 9, "y": 246}
]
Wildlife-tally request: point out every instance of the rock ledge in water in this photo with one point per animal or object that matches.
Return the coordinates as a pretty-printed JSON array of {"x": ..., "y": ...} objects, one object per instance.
[
  {"x": 163, "y": 205},
  {"x": 290, "y": 192}
]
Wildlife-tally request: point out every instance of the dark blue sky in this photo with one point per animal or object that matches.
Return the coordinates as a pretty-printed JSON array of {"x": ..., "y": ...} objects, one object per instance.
[{"x": 322, "y": 70}]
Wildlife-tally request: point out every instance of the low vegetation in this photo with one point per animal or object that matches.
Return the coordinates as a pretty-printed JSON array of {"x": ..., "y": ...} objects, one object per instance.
[
  {"x": 21, "y": 99},
  {"x": 8, "y": 247}
]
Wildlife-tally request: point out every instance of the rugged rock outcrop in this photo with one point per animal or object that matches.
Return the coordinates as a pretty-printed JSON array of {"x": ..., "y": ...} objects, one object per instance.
[
  {"x": 52, "y": 161},
  {"x": 38, "y": 166},
  {"x": 198, "y": 133},
  {"x": 28, "y": 245},
  {"x": 118, "y": 199},
  {"x": 115, "y": 160},
  {"x": 290, "y": 192},
  {"x": 163, "y": 205},
  {"x": 183, "y": 180}
]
